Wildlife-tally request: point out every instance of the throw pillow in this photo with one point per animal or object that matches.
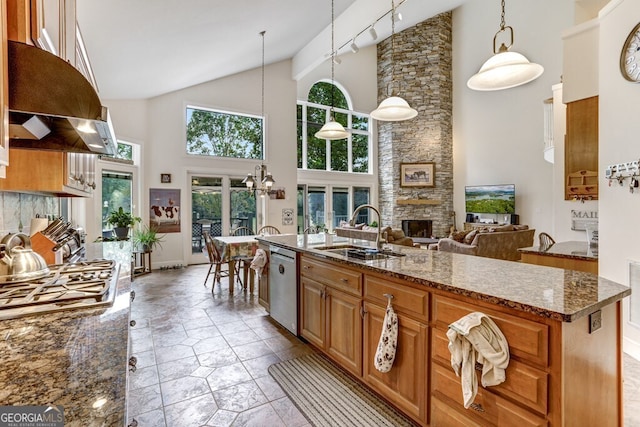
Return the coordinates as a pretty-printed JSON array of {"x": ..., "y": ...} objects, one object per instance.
[
  {"x": 458, "y": 236},
  {"x": 469, "y": 237},
  {"x": 507, "y": 227},
  {"x": 520, "y": 227}
]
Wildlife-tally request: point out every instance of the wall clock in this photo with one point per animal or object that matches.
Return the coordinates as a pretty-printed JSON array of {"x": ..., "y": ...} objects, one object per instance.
[{"x": 630, "y": 56}]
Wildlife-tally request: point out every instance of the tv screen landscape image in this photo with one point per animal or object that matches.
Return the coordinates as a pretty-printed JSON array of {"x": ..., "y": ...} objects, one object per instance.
[{"x": 490, "y": 199}]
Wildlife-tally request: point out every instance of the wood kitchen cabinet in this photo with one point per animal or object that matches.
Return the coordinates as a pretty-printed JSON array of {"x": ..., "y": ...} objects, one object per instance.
[
  {"x": 52, "y": 172},
  {"x": 4, "y": 93},
  {"x": 581, "y": 150},
  {"x": 406, "y": 383},
  {"x": 330, "y": 306}
]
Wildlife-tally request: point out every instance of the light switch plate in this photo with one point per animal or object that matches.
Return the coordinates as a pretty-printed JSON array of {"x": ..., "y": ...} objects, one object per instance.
[{"x": 595, "y": 321}]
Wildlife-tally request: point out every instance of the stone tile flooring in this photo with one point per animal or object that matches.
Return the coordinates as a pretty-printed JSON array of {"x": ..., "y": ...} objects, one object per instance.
[{"x": 203, "y": 358}]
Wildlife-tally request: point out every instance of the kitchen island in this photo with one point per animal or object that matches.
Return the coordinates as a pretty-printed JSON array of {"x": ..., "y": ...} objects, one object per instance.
[
  {"x": 563, "y": 328},
  {"x": 569, "y": 255},
  {"x": 76, "y": 358}
]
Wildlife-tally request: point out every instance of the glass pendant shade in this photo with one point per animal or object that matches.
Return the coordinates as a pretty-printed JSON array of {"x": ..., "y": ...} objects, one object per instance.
[
  {"x": 505, "y": 70},
  {"x": 268, "y": 181},
  {"x": 393, "y": 109},
  {"x": 332, "y": 130},
  {"x": 249, "y": 181}
]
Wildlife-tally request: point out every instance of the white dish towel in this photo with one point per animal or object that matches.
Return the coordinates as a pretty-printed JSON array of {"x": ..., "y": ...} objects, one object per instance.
[
  {"x": 259, "y": 261},
  {"x": 476, "y": 337},
  {"x": 386, "y": 351}
]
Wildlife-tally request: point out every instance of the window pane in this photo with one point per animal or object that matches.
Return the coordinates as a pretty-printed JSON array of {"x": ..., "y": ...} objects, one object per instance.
[
  {"x": 320, "y": 93},
  {"x": 359, "y": 122},
  {"x": 206, "y": 201},
  {"x": 116, "y": 193},
  {"x": 316, "y": 117},
  {"x": 243, "y": 206},
  {"x": 316, "y": 204},
  {"x": 124, "y": 151},
  {"x": 339, "y": 159},
  {"x": 361, "y": 197},
  {"x": 214, "y": 133},
  {"x": 316, "y": 150},
  {"x": 340, "y": 200},
  {"x": 342, "y": 118},
  {"x": 360, "y": 152},
  {"x": 299, "y": 110}
]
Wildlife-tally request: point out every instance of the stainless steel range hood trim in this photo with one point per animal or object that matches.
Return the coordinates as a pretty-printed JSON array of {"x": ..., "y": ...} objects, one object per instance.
[{"x": 44, "y": 85}]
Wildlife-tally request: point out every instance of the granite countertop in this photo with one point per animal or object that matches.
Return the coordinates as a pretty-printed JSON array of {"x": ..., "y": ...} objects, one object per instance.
[
  {"x": 573, "y": 250},
  {"x": 74, "y": 358},
  {"x": 564, "y": 295}
]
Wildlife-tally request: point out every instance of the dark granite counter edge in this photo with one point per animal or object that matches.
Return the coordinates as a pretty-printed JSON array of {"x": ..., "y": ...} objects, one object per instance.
[{"x": 539, "y": 311}]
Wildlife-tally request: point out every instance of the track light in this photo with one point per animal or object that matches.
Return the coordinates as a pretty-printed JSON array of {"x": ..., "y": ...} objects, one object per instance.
[
  {"x": 336, "y": 60},
  {"x": 398, "y": 16},
  {"x": 372, "y": 32},
  {"x": 354, "y": 46}
]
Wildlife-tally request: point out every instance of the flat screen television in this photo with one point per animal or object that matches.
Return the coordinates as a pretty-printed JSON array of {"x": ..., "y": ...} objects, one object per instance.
[{"x": 490, "y": 199}]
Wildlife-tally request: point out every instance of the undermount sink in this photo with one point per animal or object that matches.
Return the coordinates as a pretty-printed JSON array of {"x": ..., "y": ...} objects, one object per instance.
[{"x": 361, "y": 253}]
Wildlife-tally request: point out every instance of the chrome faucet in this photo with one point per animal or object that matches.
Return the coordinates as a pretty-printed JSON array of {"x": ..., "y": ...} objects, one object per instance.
[{"x": 352, "y": 222}]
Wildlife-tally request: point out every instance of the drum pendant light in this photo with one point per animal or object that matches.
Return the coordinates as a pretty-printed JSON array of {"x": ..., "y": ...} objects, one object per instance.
[
  {"x": 332, "y": 130},
  {"x": 504, "y": 69},
  {"x": 393, "y": 108}
]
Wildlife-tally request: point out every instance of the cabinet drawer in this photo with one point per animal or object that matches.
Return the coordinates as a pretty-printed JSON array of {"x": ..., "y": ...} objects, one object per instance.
[
  {"x": 443, "y": 416},
  {"x": 338, "y": 277},
  {"x": 524, "y": 384},
  {"x": 406, "y": 300},
  {"x": 488, "y": 407},
  {"x": 527, "y": 340}
]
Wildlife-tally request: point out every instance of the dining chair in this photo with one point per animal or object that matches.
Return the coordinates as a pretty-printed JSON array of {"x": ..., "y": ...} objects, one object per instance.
[
  {"x": 313, "y": 229},
  {"x": 546, "y": 241},
  {"x": 243, "y": 231},
  {"x": 215, "y": 261},
  {"x": 242, "y": 263},
  {"x": 268, "y": 229}
]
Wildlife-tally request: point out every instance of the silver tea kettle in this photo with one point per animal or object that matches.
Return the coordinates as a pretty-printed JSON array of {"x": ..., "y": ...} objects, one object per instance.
[{"x": 18, "y": 262}]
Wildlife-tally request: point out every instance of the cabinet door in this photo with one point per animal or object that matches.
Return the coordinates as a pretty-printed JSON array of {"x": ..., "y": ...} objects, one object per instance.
[
  {"x": 312, "y": 311},
  {"x": 263, "y": 282},
  {"x": 54, "y": 27},
  {"x": 344, "y": 330},
  {"x": 4, "y": 93},
  {"x": 406, "y": 383}
]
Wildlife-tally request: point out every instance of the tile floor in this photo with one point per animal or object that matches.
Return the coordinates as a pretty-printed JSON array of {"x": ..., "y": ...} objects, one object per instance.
[{"x": 203, "y": 359}]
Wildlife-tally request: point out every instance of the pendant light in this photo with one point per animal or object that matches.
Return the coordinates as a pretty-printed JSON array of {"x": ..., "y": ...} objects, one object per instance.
[
  {"x": 332, "y": 130},
  {"x": 266, "y": 180},
  {"x": 504, "y": 69},
  {"x": 393, "y": 108}
]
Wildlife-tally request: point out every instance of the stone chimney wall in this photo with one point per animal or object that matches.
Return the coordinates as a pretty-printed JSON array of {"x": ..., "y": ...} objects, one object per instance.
[{"x": 420, "y": 73}]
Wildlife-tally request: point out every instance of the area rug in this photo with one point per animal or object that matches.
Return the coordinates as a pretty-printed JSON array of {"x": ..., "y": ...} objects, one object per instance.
[{"x": 326, "y": 396}]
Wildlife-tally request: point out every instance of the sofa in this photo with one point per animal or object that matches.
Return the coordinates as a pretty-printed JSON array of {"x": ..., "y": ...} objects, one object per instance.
[{"x": 500, "y": 242}]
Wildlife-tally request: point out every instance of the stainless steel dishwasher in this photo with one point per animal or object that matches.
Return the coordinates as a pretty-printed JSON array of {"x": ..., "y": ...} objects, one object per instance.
[{"x": 283, "y": 289}]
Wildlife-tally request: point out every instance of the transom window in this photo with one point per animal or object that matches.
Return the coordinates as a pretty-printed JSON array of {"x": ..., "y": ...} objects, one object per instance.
[
  {"x": 224, "y": 134},
  {"x": 344, "y": 155}
]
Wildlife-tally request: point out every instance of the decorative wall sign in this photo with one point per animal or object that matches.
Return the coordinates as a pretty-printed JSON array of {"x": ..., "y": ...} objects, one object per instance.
[
  {"x": 165, "y": 178},
  {"x": 164, "y": 210},
  {"x": 417, "y": 174},
  {"x": 580, "y": 219},
  {"x": 287, "y": 216}
]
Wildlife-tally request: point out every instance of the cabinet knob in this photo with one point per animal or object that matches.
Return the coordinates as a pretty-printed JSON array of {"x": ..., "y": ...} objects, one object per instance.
[
  {"x": 132, "y": 363},
  {"x": 344, "y": 280},
  {"x": 133, "y": 423},
  {"x": 133, "y": 295},
  {"x": 363, "y": 312},
  {"x": 476, "y": 407},
  {"x": 132, "y": 323}
]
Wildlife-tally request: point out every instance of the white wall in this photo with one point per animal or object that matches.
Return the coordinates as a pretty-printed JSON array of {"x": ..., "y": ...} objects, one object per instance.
[
  {"x": 619, "y": 128},
  {"x": 498, "y": 136}
]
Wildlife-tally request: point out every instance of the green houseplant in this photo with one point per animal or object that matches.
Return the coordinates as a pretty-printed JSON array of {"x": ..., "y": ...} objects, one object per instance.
[
  {"x": 146, "y": 238},
  {"x": 121, "y": 221}
]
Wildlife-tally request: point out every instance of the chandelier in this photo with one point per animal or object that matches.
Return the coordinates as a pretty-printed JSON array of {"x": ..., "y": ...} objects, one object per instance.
[{"x": 266, "y": 181}]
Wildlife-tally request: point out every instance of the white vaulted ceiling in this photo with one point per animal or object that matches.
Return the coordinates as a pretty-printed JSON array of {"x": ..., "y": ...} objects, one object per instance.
[{"x": 144, "y": 48}]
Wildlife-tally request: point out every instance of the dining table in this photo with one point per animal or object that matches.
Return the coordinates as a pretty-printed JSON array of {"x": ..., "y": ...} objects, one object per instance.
[{"x": 235, "y": 249}]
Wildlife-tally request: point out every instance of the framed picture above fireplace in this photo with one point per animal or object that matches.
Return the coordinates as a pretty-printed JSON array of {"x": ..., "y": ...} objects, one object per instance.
[{"x": 417, "y": 174}]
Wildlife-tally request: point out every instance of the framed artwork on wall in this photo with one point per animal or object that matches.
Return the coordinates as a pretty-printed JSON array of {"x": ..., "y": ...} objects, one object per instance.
[
  {"x": 417, "y": 174},
  {"x": 164, "y": 210},
  {"x": 165, "y": 178}
]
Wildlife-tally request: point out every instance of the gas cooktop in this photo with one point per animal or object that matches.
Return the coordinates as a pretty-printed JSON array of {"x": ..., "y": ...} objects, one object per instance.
[{"x": 86, "y": 284}]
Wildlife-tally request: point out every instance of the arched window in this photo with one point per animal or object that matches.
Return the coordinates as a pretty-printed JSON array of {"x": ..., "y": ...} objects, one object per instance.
[{"x": 344, "y": 155}]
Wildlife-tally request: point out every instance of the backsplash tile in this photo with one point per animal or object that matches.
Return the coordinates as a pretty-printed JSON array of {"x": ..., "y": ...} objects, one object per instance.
[{"x": 16, "y": 208}]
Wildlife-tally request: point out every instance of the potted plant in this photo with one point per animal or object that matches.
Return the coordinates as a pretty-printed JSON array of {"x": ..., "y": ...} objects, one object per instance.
[
  {"x": 146, "y": 238},
  {"x": 121, "y": 221}
]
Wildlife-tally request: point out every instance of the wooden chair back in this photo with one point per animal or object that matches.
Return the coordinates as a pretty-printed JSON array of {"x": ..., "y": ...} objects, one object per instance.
[
  {"x": 243, "y": 231},
  {"x": 268, "y": 229}
]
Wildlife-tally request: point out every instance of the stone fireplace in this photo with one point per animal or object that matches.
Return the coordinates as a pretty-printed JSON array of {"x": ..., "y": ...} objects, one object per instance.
[
  {"x": 417, "y": 228},
  {"x": 421, "y": 73}
]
